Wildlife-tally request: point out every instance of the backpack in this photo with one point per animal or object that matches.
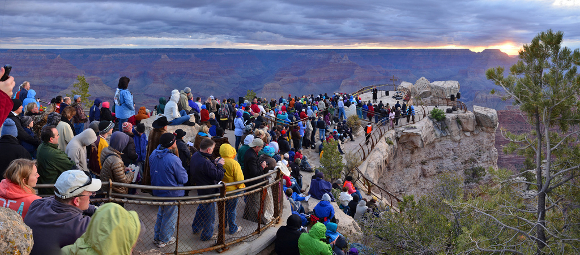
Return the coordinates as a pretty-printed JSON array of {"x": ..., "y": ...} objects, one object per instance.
[
  {"x": 224, "y": 112},
  {"x": 117, "y": 98}
]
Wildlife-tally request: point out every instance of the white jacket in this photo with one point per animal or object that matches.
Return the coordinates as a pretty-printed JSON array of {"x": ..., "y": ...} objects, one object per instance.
[
  {"x": 171, "y": 109},
  {"x": 344, "y": 198}
]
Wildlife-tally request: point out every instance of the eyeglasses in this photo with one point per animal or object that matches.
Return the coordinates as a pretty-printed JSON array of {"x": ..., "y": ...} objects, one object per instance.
[{"x": 92, "y": 194}]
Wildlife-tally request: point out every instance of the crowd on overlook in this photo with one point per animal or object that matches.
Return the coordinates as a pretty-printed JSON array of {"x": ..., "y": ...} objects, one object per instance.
[{"x": 59, "y": 144}]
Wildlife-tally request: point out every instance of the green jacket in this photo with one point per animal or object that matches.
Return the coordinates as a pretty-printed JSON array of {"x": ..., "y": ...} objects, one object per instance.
[
  {"x": 241, "y": 152},
  {"x": 311, "y": 243},
  {"x": 112, "y": 230},
  {"x": 51, "y": 163}
]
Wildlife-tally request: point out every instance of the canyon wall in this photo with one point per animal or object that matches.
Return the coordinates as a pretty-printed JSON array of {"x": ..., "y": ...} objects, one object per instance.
[{"x": 407, "y": 160}]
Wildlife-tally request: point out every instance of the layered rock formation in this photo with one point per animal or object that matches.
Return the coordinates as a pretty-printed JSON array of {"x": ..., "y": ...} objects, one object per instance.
[{"x": 408, "y": 160}]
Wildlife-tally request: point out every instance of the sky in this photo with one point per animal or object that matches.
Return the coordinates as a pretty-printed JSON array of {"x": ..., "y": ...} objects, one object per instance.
[{"x": 290, "y": 24}]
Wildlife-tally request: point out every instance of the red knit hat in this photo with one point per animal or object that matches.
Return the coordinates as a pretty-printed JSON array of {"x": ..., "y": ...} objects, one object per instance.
[{"x": 127, "y": 127}]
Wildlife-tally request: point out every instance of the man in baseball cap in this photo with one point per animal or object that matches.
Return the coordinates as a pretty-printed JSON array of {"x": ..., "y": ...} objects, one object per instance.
[{"x": 58, "y": 221}]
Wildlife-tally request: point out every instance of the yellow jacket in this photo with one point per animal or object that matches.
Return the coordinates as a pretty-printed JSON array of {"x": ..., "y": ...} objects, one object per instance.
[
  {"x": 102, "y": 144},
  {"x": 233, "y": 170}
]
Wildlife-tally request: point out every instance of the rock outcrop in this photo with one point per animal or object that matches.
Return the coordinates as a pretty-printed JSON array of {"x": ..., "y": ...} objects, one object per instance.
[{"x": 408, "y": 159}]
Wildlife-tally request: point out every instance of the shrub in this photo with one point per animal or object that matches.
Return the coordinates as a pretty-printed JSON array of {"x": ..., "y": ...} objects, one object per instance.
[
  {"x": 331, "y": 161},
  {"x": 354, "y": 123},
  {"x": 389, "y": 141},
  {"x": 352, "y": 161},
  {"x": 438, "y": 114},
  {"x": 474, "y": 174}
]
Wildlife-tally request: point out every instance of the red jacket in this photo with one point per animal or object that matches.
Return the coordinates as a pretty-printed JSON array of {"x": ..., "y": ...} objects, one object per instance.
[
  {"x": 5, "y": 106},
  {"x": 204, "y": 115},
  {"x": 371, "y": 112},
  {"x": 303, "y": 115},
  {"x": 350, "y": 187},
  {"x": 15, "y": 198},
  {"x": 255, "y": 108}
]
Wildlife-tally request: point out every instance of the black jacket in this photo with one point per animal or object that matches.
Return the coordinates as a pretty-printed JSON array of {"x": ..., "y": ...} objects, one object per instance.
[
  {"x": 252, "y": 167},
  {"x": 203, "y": 171},
  {"x": 129, "y": 153},
  {"x": 286, "y": 242},
  {"x": 184, "y": 153},
  {"x": 320, "y": 124},
  {"x": 283, "y": 145},
  {"x": 106, "y": 114},
  {"x": 22, "y": 135},
  {"x": 11, "y": 150}
]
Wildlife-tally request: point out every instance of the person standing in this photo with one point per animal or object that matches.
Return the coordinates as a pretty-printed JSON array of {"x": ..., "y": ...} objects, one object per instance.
[
  {"x": 166, "y": 170},
  {"x": 239, "y": 128},
  {"x": 124, "y": 107},
  {"x": 112, "y": 162},
  {"x": 253, "y": 168},
  {"x": 368, "y": 130},
  {"x": 95, "y": 111},
  {"x": 233, "y": 173},
  {"x": 204, "y": 171},
  {"x": 80, "y": 118}
]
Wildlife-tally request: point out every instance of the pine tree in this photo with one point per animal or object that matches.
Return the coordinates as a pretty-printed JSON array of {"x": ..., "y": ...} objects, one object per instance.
[
  {"x": 81, "y": 87},
  {"x": 331, "y": 160}
]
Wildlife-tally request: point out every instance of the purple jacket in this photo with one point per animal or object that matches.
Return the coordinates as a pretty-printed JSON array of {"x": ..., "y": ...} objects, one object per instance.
[{"x": 55, "y": 225}]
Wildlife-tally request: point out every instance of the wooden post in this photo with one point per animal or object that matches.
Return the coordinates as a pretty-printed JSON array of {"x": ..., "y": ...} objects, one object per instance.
[
  {"x": 177, "y": 227},
  {"x": 222, "y": 216}
]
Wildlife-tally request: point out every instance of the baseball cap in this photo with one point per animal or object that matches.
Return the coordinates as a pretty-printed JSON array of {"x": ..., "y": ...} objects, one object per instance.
[{"x": 72, "y": 183}]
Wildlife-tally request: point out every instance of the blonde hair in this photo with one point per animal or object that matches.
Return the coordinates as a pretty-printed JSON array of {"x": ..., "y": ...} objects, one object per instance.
[
  {"x": 204, "y": 129},
  {"x": 24, "y": 84},
  {"x": 19, "y": 171},
  {"x": 30, "y": 106},
  {"x": 259, "y": 133}
]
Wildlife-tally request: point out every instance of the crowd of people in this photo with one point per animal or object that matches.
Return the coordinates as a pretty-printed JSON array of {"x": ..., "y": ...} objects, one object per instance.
[{"x": 59, "y": 144}]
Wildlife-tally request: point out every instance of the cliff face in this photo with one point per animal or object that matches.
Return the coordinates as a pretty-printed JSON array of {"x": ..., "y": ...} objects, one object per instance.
[
  {"x": 230, "y": 73},
  {"x": 421, "y": 152}
]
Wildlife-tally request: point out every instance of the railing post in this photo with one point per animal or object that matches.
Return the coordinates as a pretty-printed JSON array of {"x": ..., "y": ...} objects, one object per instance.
[
  {"x": 110, "y": 189},
  {"x": 177, "y": 227},
  {"x": 276, "y": 195},
  {"x": 222, "y": 216},
  {"x": 261, "y": 211}
]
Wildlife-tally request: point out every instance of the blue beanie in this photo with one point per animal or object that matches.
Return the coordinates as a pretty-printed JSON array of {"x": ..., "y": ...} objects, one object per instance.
[
  {"x": 203, "y": 106},
  {"x": 9, "y": 128},
  {"x": 76, "y": 97},
  {"x": 269, "y": 151}
]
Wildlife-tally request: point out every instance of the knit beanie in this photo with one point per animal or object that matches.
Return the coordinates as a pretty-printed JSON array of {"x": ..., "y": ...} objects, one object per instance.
[
  {"x": 105, "y": 126},
  {"x": 9, "y": 128},
  {"x": 127, "y": 127},
  {"x": 17, "y": 104},
  {"x": 53, "y": 119},
  {"x": 25, "y": 120},
  {"x": 95, "y": 126}
]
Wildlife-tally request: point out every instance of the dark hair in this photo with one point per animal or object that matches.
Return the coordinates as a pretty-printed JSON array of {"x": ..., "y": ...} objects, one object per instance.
[
  {"x": 344, "y": 189},
  {"x": 289, "y": 192},
  {"x": 58, "y": 99},
  {"x": 206, "y": 143},
  {"x": 349, "y": 178},
  {"x": 123, "y": 82},
  {"x": 219, "y": 131},
  {"x": 68, "y": 112},
  {"x": 197, "y": 99},
  {"x": 46, "y": 133}
]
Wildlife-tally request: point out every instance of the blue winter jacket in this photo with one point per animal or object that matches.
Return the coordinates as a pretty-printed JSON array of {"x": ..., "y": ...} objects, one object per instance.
[
  {"x": 29, "y": 147},
  {"x": 166, "y": 170},
  {"x": 324, "y": 209},
  {"x": 95, "y": 112},
  {"x": 30, "y": 98},
  {"x": 140, "y": 145},
  {"x": 318, "y": 187},
  {"x": 126, "y": 109}
]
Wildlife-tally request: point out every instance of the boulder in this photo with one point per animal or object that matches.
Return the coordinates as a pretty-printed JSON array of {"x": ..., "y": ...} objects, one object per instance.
[
  {"x": 422, "y": 84},
  {"x": 350, "y": 111},
  {"x": 15, "y": 236},
  {"x": 444, "y": 89},
  {"x": 409, "y": 86},
  {"x": 467, "y": 121},
  {"x": 485, "y": 117},
  {"x": 191, "y": 131}
]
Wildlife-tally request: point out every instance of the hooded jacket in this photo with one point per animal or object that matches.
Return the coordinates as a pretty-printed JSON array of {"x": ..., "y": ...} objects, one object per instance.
[
  {"x": 233, "y": 171},
  {"x": 361, "y": 208},
  {"x": 106, "y": 113},
  {"x": 324, "y": 209},
  {"x": 252, "y": 166},
  {"x": 55, "y": 224},
  {"x": 11, "y": 150},
  {"x": 239, "y": 124},
  {"x": 51, "y": 163},
  {"x": 344, "y": 198},
  {"x": 15, "y": 197},
  {"x": 161, "y": 106},
  {"x": 286, "y": 242},
  {"x": 77, "y": 148},
  {"x": 140, "y": 145},
  {"x": 352, "y": 205},
  {"x": 125, "y": 109},
  {"x": 114, "y": 169},
  {"x": 22, "y": 135},
  {"x": 142, "y": 114},
  {"x": 312, "y": 243},
  {"x": 219, "y": 141},
  {"x": 166, "y": 170},
  {"x": 30, "y": 98},
  {"x": 95, "y": 111},
  {"x": 66, "y": 134},
  {"x": 319, "y": 187},
  {"x": 331, "y": 232},
  {"x": 112, "y": 230},
  {"x": 171, "y": 108}
]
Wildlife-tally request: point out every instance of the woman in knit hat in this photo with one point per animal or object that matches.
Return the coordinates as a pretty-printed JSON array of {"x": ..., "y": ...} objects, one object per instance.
[
  {"x": 27, "y": 125},
  {"x": 112, "y": 163}
]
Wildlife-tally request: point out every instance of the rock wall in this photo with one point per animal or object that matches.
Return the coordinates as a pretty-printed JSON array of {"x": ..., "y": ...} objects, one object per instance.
[{"x": 407, "y": 160}]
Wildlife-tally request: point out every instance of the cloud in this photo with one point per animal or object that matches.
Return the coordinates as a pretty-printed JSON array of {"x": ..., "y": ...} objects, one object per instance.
[{"x": 292, "y": 23}]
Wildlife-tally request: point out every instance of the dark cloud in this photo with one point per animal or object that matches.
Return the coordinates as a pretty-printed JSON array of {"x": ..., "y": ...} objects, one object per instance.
[{"x": 259, "y": 23}]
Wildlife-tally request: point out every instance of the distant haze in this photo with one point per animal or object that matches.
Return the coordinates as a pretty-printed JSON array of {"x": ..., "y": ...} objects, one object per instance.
[
  {"x": 285, "y": 24},
  {"x": 228, "y": 73}
]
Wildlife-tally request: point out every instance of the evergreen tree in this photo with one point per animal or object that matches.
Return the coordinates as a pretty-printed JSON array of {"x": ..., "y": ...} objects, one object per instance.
[
  {"x": 81, "y": 87},
  {"x": 331, "y": 160},
  {"x": 545, "y": 85}
]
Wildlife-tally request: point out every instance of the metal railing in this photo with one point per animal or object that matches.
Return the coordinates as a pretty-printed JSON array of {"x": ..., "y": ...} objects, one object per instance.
[{"x": 262, "y": 198}]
